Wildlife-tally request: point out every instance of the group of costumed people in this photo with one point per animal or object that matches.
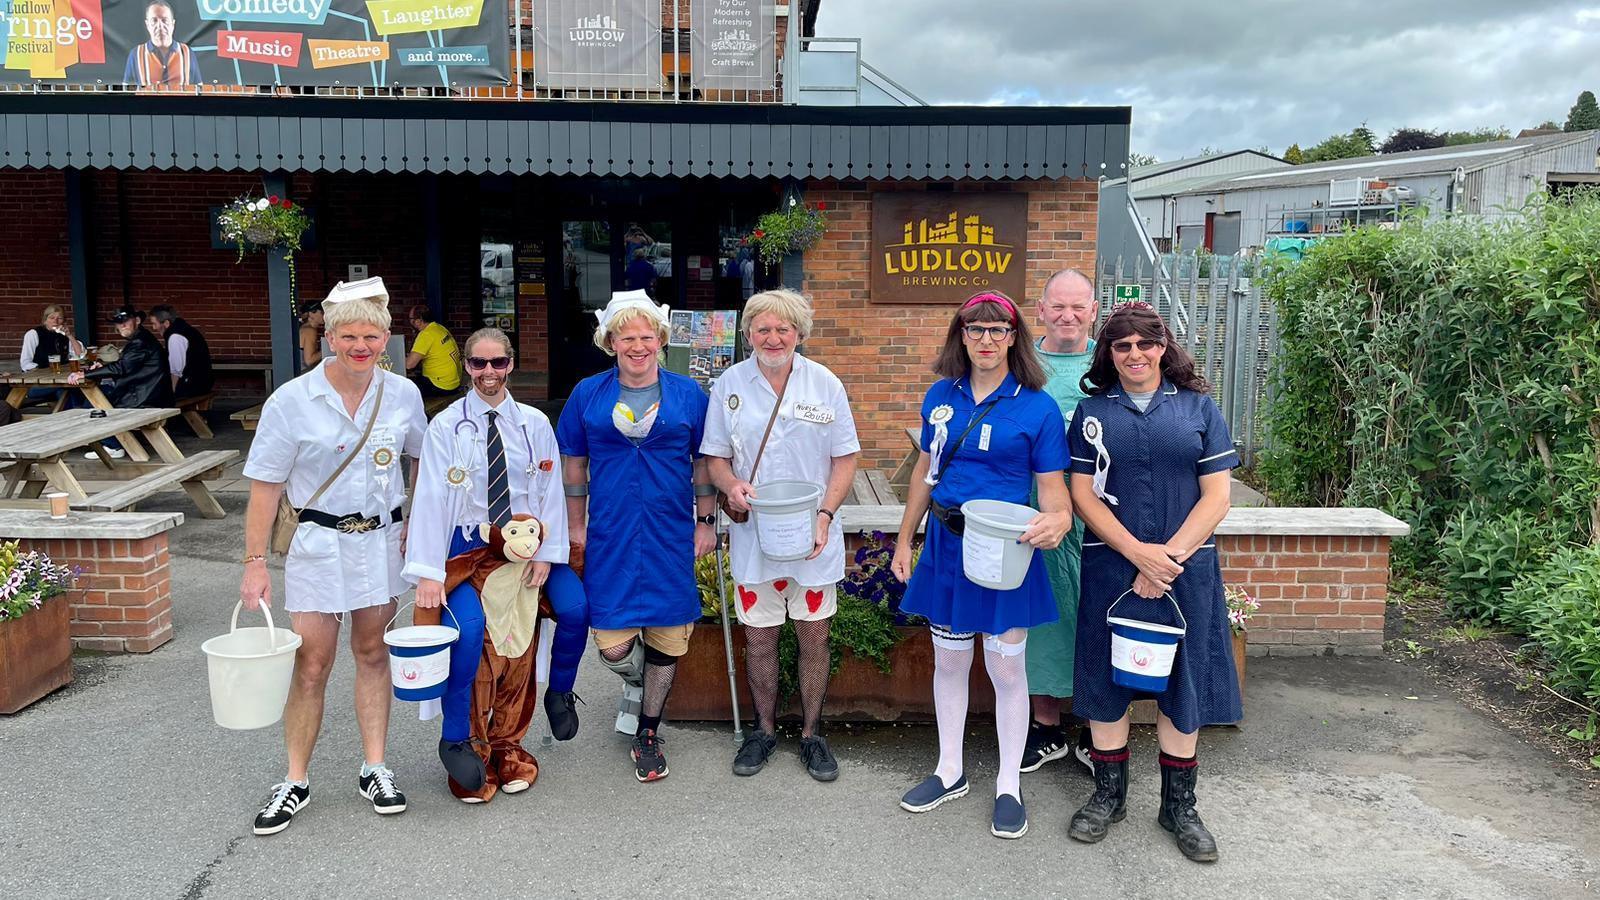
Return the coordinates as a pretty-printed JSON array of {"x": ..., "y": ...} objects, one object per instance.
[{"x": 596, "y": 523}]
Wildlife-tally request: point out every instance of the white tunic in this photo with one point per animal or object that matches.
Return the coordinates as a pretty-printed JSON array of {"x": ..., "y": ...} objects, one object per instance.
[
  {"x": 303, "y": 435},
  {"x": 457, "y": 444},
  {"x": 814, "y": 426}
]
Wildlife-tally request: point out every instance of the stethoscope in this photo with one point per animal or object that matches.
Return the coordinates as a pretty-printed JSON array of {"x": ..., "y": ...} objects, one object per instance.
[{"x": 468, "y": 461}]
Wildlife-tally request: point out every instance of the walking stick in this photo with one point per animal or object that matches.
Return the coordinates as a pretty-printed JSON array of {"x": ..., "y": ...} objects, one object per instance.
[{"x": 727, "y": 640}]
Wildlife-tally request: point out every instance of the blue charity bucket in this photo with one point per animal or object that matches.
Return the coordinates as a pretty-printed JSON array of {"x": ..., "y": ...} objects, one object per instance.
[
  {"x": 419, "y": 657},
  {"x": 1142, "y": 652}
]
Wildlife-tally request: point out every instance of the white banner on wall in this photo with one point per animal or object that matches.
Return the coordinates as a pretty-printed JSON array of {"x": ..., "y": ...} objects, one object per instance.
[
  {"x": 598, "y": 44},
  {"x": 734, "y": 44}
]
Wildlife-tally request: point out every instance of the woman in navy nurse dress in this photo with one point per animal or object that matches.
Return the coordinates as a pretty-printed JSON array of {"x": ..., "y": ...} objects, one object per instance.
[
  {"x": 1151, "y": 457},
  {"x": 988, "y": 432}
]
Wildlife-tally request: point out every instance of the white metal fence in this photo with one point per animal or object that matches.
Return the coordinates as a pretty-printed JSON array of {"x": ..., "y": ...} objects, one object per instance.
[{"x": 1217, "y": 309}]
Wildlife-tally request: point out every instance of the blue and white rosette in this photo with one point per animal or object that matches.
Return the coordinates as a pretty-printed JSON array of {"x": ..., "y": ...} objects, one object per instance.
[
  {"x": 1094, "y": 434},
  {"x": 940, "y": 420}
]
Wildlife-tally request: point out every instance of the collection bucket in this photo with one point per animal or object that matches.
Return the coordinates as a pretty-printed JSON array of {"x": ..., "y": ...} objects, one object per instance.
[
  {"x": 1142, "y": 652},
  {"x": 990, "y": 554},
  {"x": 419, "y": 657},
  {"x": 785, "y": 518},
  {"x": 249, "y": 670}
]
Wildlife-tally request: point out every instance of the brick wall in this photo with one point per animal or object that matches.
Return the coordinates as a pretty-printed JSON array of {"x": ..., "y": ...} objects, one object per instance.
[
  {"x": 125, "y": 598},
  {"x": 1318, "y": 594},
  {"x": 34, "y": 257},
  {"x": 882, "y": 353}
]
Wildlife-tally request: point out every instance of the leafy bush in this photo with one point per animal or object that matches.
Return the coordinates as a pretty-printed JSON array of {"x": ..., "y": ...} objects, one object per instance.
[
  {"x": 1482, "y": 554},
  {"x": 1558, "y": 605}
]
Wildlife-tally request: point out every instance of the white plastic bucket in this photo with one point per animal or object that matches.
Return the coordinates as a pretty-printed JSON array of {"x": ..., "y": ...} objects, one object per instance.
[
  {"x": 250, "y": 670},
  {"x": 1142, "y": 652},
  {"x": 990, "y": 554},
  {"x": 419, "y": 657},
  {"x": 786, "y": 518}
]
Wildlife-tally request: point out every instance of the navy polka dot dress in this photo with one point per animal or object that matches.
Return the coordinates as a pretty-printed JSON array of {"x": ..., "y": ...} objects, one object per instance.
[{"x": 1156, "y": 458}]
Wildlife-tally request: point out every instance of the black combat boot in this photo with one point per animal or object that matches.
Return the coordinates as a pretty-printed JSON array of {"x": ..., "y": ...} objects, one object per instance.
[
  {"x": 1178, "y": 814},
  {"x": 1109, "y": 802}
]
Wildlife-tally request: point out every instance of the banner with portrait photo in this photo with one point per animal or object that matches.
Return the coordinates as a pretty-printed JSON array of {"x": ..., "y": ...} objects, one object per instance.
[
  {"x": 734, "y": 44},
  {"x": 180, "y": 44},
  {"x": 598, "y": 44}
]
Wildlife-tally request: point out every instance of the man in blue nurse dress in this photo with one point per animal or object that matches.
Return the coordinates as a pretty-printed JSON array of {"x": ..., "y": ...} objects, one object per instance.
[
  {"x": 641, "y": 505},
  {"x": 989, "y": 432}
]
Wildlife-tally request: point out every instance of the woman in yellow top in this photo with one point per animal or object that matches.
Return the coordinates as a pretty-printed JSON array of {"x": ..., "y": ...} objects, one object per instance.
[{"x": 435, "y": 350}]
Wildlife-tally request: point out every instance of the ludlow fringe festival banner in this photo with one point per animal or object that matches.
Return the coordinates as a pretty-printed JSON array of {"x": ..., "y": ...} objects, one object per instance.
[
  {"x": 598, "y": 44},
  {"x": 734, "y": 44},
  {"x": 943, "y": 248},
  {"x": 178, "y": 44}
]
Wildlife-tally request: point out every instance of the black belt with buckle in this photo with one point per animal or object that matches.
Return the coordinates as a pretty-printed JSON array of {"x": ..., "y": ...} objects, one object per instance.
[
  {"x": 353, "y": 523},
  {"x": 953, "y": 518}
]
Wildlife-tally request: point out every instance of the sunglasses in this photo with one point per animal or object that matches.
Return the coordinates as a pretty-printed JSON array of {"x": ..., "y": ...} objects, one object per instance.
[
  {"x": 1145, "y": 346},
  {"x": 478, "y": 363}
]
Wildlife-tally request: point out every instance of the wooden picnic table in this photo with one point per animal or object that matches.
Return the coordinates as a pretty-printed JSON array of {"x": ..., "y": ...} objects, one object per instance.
[
  {"x": 22, "y": 382},
  {"x": 37, "y": 450}
]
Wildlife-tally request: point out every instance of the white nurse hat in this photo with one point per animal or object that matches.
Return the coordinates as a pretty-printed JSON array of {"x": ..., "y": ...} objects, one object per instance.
[
  {"x": 640, "y": 300},
  {"x": 365, "y": 289}
]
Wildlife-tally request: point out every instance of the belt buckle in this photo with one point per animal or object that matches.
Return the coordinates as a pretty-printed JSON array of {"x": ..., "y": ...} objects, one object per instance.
[{"x": 354, "y": 524}]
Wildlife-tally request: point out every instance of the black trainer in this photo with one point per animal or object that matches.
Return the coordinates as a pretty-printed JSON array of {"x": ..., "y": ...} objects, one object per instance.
[
  {"x": 753, "y": 753},
  {"x": 1045, "y": 743},
  {"x": 379, "y": 788},
  {"x": 819, "y": 759},
  {"x": 462, "y": 764},
  {"x": 562, "y": 709},
  {"x": 650, "y": 764},
  {"x": 287, "y": 799}
]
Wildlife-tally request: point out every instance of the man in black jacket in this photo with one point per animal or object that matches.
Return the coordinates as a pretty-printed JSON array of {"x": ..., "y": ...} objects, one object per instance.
[
  {"x": 188, "y": 354},
  {"x": 139, "y": 377}
]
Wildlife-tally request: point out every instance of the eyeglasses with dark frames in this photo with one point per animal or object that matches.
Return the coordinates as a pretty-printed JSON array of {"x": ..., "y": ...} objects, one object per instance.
[{"x": 998, "y": 332}]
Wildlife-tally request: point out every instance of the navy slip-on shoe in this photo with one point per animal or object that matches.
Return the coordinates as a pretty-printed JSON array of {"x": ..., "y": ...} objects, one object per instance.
[
  {"x": 1010, "y": 818},
  {"x": 931, "y": 793}
]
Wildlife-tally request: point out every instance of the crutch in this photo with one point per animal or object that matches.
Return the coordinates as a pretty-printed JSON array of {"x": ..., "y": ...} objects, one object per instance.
[{"x": 727, "y": 639}]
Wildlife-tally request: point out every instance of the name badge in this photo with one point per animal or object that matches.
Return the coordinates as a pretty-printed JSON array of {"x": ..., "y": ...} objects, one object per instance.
[
  {"x": 983, "y": 436},
  {"x": 813, "y": 412}
]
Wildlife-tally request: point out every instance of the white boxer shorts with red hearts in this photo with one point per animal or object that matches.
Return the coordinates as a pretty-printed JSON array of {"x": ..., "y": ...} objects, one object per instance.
[{"x": 764, "y": 605}]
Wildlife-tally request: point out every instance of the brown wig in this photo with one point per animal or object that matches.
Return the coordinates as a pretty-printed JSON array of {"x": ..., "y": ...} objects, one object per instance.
[
  {"x": 1140, "y": 320},
  {"x": 1021, "y": 360}
]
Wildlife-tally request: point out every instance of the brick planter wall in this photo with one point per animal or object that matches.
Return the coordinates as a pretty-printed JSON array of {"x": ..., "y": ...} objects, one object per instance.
[{"x": 1318, "y": 593}]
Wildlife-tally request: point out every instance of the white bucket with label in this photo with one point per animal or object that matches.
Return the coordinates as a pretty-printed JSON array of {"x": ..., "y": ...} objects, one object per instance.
[
  {"x": 419, "y": 657},
  {"x": 249, "y": 670},
  {"x": 990, "y": 554},
  {"x": 785, "y": 516},
  {"x": 1142, "y": 652}
]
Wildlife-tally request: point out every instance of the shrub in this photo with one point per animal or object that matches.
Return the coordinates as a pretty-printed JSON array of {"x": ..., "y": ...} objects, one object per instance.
[
  {"x": 1482, "y": 554},
  {"x": 1558, "y": 605}
]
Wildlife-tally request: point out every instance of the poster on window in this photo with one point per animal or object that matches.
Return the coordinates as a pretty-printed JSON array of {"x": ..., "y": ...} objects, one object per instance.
[
  {"x": 598, "y": 44},
  {"x": 180, "y": 44},
  {"x": 734, "y": 44}
]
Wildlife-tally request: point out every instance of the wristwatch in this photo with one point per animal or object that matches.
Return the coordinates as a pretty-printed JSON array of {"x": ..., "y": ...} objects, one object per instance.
[
  {"x": 826, "y": 512},
  {"x": 707, "y": 520}
]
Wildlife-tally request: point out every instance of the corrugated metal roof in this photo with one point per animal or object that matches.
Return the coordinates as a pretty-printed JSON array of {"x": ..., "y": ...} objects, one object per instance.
[
  {"x": 1471, "y": 157},
  {"x": 561, "y": 138},
  {"x": 1138, "y": 173}
]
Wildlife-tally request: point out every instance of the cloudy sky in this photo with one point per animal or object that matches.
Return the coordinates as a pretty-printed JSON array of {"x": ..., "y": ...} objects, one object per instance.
[{"x": 1246, "y": 73}]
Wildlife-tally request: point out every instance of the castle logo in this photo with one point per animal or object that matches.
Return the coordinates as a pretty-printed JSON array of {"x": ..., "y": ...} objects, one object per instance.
[
  {"x": 948, "y": 246},
  {"x": 596, "y": 31}
]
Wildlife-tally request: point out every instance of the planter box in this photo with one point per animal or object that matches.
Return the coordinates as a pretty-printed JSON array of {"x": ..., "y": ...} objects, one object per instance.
[
  {"x": 859, "y": 692},
  {"x": 35, "y": 654}
]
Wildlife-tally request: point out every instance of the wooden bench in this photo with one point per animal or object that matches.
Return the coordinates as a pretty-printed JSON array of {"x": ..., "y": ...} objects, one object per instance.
[
  {"x": 260, "y": 368},
  {"x": 188, "y": 473},
  {"x": 432, "y": 406},
  {"x": 194, "y": 410},
  {"x": 247, "y": 418}
]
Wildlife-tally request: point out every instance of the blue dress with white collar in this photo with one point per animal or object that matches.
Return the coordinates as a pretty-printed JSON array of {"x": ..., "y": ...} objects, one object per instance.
[
  {"x": 1022, "y": 435},
  {"x": 1156, "y": 458}
]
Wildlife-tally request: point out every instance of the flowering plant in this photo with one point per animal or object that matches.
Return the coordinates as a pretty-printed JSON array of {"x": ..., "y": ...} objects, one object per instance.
[
  {"x": 264, "y": 222},
  {"x": 874, "y": 581},
  {"x": 1241, "y": 607},
  {"x": 795, "y": 228},
  {"x": 29, "y": 579}
]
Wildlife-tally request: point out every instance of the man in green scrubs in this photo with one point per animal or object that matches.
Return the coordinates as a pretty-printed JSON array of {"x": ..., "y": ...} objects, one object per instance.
[{"x": 1067, "y": 311}]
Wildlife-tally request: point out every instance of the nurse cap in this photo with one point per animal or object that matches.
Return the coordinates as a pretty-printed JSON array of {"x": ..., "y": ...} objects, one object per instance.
[
  {"x": 365, "y": 289},
  {"x": 640, "y": 300}
]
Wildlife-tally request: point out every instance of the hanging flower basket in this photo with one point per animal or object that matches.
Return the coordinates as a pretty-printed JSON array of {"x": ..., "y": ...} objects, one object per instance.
[
  {"x": 257, "y": 223},
  {"x": 795, "y": 228}
]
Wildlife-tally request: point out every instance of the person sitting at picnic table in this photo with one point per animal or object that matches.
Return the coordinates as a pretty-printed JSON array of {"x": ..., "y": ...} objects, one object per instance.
[
  {"x": 311, "y": 336},
  {"x": 138, "y": 379},
  {"x": 42, "y": 341},
  {"x": 436, "y": 352},
  {"x": 188, "y": 354}
]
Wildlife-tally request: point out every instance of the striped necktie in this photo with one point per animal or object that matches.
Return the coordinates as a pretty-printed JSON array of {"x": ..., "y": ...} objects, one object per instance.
[{"x": 499, "y": 485}]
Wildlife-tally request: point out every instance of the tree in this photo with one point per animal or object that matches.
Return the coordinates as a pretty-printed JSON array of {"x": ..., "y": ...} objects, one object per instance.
[
  {"x": 1478, "y": 136},
  {"x": 1584, "y": 115},
  {"x": 1294, "y": 156},
  {"x": 1548, "y": 125},
  {"x": 1343, "y": 146},
  {"x": 1141, "y": 159},
  {"x": 1403, "y": 139}
]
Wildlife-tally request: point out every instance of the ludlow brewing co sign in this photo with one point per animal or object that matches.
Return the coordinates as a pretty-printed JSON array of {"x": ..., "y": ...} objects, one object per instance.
[{"x": 943, "y": 248}]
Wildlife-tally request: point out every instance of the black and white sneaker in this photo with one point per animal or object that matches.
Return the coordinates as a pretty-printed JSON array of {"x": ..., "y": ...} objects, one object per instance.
[
  {"x": 379, "y": 788},
  {"x": 1081, "y": 751},
  {"x": 1045, "y": 743},
  {"x": 287, "y": 799}
]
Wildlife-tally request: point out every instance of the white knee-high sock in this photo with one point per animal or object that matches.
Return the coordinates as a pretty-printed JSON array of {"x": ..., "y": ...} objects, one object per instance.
[
  {"x": 951, "y": 671},
  {"x": 1008, "y": 672}
]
